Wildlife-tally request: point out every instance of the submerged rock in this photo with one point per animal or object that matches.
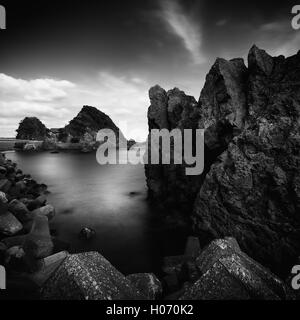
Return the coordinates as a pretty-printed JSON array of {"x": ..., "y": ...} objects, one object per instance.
[{"x": 87, "y": 234}]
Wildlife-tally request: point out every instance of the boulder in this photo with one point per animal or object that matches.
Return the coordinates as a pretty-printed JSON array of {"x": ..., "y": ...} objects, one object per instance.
[
  {"x": 37, "y": 202},
  {"x": 46, "y": 267},
  {"x": 38, "y": 243},
  {"x": 48, "y": 211},
  {"x": 3, "y": 198},
  {"x": 3, "y": 203},
  {"x": 228, "y": 273},
  {"x": 5, "y": 185},
  {"x": 88, "y": 276},
  {"x": 9, "y": 225},
  {"x": 148, "y": 284},
  {"x": 20, "y": 211},
  {"x": 87, "y": 234},
  {"x": 15, "y": 259},
  {"x": 14, "y": 241}
]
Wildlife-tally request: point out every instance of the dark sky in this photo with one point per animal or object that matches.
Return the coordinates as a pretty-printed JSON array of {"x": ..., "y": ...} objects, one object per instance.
[{"x": 56, "y": 56}]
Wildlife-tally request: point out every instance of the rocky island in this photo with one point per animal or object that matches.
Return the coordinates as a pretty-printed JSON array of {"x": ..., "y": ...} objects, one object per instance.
[{"x": 79, "y": 134}]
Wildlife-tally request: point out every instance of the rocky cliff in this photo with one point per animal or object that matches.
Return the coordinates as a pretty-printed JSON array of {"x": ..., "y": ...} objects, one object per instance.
[
  {"x": 250, "y": 186},
  {"x": 89, "y": 121}
]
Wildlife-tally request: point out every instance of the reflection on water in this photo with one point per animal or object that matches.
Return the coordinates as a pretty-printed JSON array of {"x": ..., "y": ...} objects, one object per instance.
[{"x": 109, "y": 199}]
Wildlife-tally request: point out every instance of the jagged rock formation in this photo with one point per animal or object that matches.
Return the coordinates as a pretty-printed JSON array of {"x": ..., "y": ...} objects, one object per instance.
[
  {"x": 171, "y": 110},
  {"x": 32, "y": 129},
  {"x": 250, "y": 187},
  {"x": 89, "y": 276},
  {"x": 229, "y": 274},
  {"x": 88, "y": 122}
]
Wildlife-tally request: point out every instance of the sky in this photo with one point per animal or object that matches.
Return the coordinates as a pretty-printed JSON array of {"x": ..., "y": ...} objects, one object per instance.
[{"x": 56, "y": 56}]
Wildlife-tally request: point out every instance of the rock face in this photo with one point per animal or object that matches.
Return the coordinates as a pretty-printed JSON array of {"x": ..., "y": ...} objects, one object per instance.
[
  {"x": 9, "y": 225},
  {"x": 251, "y": 182},
  {"x": 171, "y": 110},
  {"x": 32, "y": 129},
  {"x": 87, "y": 124},
  {"x": 252, "y": 193},
  {"x": 229, "y": 274},
  {"x": 89, "y": 276}
]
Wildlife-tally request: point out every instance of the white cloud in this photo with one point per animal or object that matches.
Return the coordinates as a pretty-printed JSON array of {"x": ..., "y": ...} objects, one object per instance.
[
  {"x": 185, "y": 28},
  {"x": 56, "y": 102},
  {"x": 41, "y": 90}
]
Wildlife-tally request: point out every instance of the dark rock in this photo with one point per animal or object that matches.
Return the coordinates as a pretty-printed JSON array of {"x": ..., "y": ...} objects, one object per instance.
[
  {"x": 87, "y": 124},
  {"x": 47, "y": 267},
  {"x": 20, "y": 211},
  {"x": 32, "y": 129},
  {"x": 193, "y": 248},
  {"x": 3, "y": 203},
  {"x": 223, "y": 101},
  {"x": 48, "y": 211},
  {"x": 250, "y": 185},
  {"x": 15, "y": 259},
  {"x": 171, "y": 283},
  {"x": 228, "y": 273},
  {"x": 168, "y": 183},
  {"x": 38, "y": 202},
  {"x": 148, "y": 284},
  {"x": 38, "y": 243},
  {"x": 173, "y": 264},
  {"x": 88, "y": 276},
  {"x": 16, "y": 241},
  {"x": 87, "y": 234},
  {"x": 9, "y": 225},
  {"x": 5, "y": 185}
]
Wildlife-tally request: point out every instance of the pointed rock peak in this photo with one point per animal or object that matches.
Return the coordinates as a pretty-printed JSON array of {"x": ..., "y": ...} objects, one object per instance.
[
  {"x": 260, "y": 60},
  {"x": 156, "y": 90}
]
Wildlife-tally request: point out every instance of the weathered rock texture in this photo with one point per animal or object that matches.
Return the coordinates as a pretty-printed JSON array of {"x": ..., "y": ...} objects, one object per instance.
[
  {"x": 171, "y": 110},
  {"x": 250, "y": 187},
  {"x": 229, "y": 274},
  {"x": 89, "y": 276}
]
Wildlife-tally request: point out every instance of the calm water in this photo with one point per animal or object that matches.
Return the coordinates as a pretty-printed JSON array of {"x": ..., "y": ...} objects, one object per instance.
[{"x": 87, "y": 194}]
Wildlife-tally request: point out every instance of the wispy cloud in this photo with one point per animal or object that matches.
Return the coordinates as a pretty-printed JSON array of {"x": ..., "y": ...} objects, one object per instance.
[{"x": 181, "y": 24}]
